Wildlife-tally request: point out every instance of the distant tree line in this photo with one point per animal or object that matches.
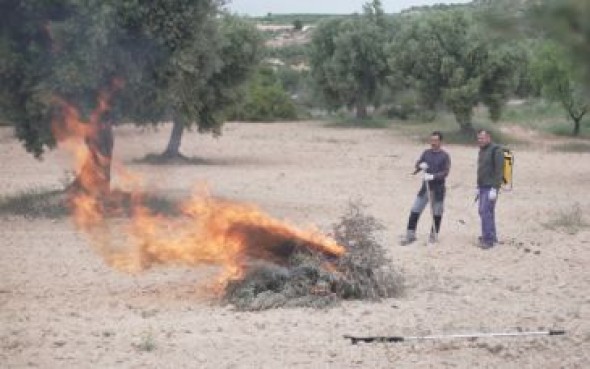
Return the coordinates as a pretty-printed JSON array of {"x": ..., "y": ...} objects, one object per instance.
[{"x": 453, "y": 57}]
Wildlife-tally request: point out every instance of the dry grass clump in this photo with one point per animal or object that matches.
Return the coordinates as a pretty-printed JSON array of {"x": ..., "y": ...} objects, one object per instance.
[
  {"x": 308, "y": 279},
  {"x": 54, "y": 204},
  {"x": 570, "y": 220},
  {"x": 579, "y": 147},
  {"x": 35, "y": 203}
]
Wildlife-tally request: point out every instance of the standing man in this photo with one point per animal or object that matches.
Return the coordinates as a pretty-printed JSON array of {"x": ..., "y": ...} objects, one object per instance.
[
  {"x": 436, "y": 164},
  {"x": 490, "y": 162}
]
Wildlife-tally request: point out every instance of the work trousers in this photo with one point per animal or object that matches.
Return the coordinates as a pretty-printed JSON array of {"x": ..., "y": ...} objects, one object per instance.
[{"x": 487, "y": 213}]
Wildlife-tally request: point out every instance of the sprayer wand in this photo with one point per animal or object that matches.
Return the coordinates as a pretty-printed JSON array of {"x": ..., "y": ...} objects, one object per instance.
[{"x": 370, "y": 339}]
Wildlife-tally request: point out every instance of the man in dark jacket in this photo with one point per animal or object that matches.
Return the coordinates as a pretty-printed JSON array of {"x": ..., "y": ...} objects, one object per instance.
[
  {"x": 490, "y": 163},
  {"x": 435, "y": 164}
]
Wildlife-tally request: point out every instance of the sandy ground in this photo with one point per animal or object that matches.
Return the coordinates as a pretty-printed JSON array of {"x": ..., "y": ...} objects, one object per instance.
[{"x": 62, "y": 307}]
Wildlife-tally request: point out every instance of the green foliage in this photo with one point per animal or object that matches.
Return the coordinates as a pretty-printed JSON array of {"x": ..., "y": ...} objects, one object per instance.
[
  {"x": 446, "y": 58},
  {"x": 176, "y": 58},
  {"x": 291, "y": 80},
  {"x": 347, "y": 58},
  {"x": 239, "y": 55},
  {"x": 566, "y": 22},
  {"x": 297, "y": 25},
  {"x": 533, "y": 111},
  {"x": 264, "y": 100},
  {"x": 556, "y": 77}
]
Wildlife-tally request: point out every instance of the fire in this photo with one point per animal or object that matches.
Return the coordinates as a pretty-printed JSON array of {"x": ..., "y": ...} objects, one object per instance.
[{"x": 210, "y": 231}]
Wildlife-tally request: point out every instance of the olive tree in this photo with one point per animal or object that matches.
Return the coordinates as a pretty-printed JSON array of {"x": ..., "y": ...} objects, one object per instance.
[
  {"x": 447, "y": 59},
  {"x": 566, "y": 22},
  {"x": 347, "y": 59},
  {"x": 159, "y": 60},
  {"x": 557, "y": 78}
]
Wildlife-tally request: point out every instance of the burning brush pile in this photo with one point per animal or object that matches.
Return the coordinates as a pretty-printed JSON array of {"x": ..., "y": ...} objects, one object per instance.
[
  {"x": 263, "y": 262},
  {"x": 308, "y": 278}
]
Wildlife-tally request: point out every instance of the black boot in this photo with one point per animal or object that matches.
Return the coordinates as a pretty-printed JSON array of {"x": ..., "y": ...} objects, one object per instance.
[
  {"x": 434, "y": 236},
  {"x": 411, "y": 232},
  {"x": 437, "y": 220}
]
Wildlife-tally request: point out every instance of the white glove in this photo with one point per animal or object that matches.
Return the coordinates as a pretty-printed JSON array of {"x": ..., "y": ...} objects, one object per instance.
[
  {"x": 423, "y": 165},
  {"x": 428, "y": 177},
  {"x": 493, "y": 195}
]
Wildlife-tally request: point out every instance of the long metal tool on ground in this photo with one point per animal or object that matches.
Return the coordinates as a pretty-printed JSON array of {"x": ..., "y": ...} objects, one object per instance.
[
  {"x": 376, "y": 339},
  {"x": 430, "y": 195}
]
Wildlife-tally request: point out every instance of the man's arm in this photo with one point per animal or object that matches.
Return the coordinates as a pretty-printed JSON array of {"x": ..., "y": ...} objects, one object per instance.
[{"x": 420, "y": 160}]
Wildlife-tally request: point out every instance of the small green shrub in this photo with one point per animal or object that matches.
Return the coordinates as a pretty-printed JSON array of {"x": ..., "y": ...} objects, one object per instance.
[
  {"x": 147, "y": 342},
  {"x": 264, "y": 100}
]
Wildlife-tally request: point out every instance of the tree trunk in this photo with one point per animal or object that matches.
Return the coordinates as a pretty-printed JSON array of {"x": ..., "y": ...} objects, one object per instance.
[
  {"x": 173, "y": 148},
  {"x": 463, "y": 117},
  {"x": 577, "y": 118},
  {"x": 466, "y": 128},
  {"x": 361, "y": 110},
  {"x": 95, "y": 175},
  {"x": 577, "y": 126}
]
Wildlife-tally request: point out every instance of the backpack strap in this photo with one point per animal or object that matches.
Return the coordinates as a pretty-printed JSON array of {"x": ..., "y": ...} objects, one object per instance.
[{"x": 494, "y": 149}]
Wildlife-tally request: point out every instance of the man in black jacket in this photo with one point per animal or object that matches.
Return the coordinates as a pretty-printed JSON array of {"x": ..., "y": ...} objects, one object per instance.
[
  {"x": 490, "y": 163},
  {"x": 435, "y": 164}
]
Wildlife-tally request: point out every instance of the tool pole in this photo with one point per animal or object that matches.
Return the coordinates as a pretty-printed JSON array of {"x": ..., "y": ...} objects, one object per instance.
[
  {"x": 431, "y": 204},
  {"x": 369, "y": 339}
]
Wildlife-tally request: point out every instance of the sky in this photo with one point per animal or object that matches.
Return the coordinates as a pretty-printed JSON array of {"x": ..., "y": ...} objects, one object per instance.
[{"x": 263, "y": 7}]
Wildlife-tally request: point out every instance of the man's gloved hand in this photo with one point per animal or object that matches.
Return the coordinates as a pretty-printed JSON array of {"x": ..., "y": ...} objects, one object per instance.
[
  {"x": 493, "y": 194},
  {"x": 423, "y": 165},
  {"x": 428, "y": 177}
]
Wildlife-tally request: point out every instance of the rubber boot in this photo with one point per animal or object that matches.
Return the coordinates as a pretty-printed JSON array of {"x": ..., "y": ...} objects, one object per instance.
[
  {"x": 410, "y": 237},
  {"x": 433, "y": 238},
  {"x": 411, "y": 232}
]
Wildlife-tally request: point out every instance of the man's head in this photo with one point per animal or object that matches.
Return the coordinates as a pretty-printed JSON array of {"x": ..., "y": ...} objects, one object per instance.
[
  {"x": 483, "y": 138},
  {"x": 435, "y": 140}
]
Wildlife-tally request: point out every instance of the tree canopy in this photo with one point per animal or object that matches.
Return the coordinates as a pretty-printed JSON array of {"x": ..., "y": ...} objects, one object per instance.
[
  {"x": 566, "y": 22},
  {"x": 348, "y": 61},
  {"x": 177, "y": 59},
  {"x": 557, "y": 78},
  {"x": 447, "y": 59}
]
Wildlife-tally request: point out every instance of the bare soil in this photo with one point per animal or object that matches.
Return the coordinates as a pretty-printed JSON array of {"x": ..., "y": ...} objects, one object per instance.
[{"x": 61, "y": 306}]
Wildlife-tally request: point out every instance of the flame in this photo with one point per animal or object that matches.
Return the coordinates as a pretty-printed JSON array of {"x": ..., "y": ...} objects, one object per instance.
[{"x": 210, "y": 231}]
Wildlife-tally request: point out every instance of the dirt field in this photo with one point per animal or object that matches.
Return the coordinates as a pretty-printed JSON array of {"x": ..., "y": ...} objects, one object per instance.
[{"x": 63, "y": 307}]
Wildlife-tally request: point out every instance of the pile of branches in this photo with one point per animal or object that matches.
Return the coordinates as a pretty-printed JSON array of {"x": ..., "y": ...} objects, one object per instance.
[{"x": 309, "y": 279}]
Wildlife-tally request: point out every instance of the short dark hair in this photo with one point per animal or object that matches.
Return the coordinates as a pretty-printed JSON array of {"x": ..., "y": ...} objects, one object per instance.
[
  {"x": 438, "y": 134},
  {"x": 484, "y": 131}
]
